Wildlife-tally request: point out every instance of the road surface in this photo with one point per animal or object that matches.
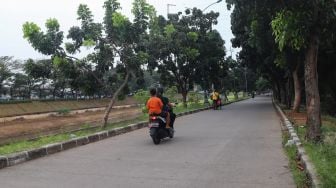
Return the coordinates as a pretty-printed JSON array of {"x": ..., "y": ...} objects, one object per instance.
[{"x": 238, "y": 146}]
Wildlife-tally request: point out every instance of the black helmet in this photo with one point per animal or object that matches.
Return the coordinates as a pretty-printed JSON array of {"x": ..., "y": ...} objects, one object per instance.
[{"x": 159, "y": 90}]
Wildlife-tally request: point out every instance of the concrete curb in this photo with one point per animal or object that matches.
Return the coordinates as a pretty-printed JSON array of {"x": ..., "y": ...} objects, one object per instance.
[
  {"x": 17, "y": 158},
  {"x": 309, "y": 168}
]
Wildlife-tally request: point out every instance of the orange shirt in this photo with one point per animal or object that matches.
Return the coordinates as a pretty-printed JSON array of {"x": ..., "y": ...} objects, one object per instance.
[{"x": 154, "y": 105}]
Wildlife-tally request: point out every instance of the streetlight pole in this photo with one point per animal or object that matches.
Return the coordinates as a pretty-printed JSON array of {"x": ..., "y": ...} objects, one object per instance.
[{"x": 211, "y": 5}]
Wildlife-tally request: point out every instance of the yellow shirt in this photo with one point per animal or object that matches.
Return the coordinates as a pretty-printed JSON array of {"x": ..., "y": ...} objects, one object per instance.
[{"x": 215, "y": 95}]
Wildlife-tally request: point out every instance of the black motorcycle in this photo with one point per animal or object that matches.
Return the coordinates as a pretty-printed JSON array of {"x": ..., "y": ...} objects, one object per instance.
[{"x": 158, "y": 130}]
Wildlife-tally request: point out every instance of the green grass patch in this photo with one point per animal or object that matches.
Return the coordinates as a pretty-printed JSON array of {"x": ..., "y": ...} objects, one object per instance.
[
  {"x": 323, "y": 155},
  {"x": 299, "y": 176}
]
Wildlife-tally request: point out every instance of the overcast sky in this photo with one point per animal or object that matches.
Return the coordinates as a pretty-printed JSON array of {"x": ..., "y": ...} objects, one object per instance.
[{"x": 13, "y": 13}]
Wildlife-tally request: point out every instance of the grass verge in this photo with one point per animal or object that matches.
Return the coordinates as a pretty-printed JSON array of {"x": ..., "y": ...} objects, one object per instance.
[
  {"x": 299, "y": 176},
  {"x": 322, "y": 155}
]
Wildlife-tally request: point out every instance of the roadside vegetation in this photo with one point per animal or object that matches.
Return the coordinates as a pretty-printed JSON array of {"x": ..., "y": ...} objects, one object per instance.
[
  {"x": 322, "y": 154},
  {"x": 300, "y": 177}
]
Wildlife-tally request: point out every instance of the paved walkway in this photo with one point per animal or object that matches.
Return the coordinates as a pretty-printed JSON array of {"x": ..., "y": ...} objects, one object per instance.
[{"x": 238, "y": 146}]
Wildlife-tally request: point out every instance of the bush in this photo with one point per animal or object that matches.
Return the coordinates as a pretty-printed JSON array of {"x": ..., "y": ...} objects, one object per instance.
[
  {"x": 171, "y": 94},
  {"x": 141, "y": 96},
  {"x": 193, "y": 97},
  {"x": 63, "y": 112}
]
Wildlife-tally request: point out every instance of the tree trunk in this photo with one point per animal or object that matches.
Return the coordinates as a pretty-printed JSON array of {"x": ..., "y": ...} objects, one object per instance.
[
  {"x": 289, "y": 91},
  {"x": 184, "y": 98},
  {"x": 312, "y": 91},
  {"x": 115, "y": 95},
  {"x": 297, "y": 89},
  {"x": 283, "y": 98}
]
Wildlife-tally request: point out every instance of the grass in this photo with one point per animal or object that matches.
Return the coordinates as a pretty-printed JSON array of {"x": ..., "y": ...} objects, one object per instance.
[
  {"x": 31, "y": 144},
  {"x": 299, "y": 176},
  {"x": 323, "y": 155}
]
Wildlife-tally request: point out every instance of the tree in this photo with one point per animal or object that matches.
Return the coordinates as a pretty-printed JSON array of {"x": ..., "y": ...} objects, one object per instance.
[
  {"x": 6, "y": 65},
  {"x": 121, "y": 38},
  {"x": 302, "y": 25},
  {"x": 176, "y": 45},
  {"x": 40, "y": 71},
  {"x": 296, "y": 28}
]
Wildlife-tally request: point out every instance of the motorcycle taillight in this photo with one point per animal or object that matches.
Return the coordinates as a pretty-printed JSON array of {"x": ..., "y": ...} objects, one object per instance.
[{"x": 153, "y": 118}]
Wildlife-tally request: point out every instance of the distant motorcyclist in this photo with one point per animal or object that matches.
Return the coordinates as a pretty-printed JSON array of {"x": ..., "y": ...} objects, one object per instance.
[
  {"x": 214, "y": 97},
  {"x": 167, "y": 106}
]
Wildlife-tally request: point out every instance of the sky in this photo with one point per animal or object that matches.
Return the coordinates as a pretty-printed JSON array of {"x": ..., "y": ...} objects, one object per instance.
[{"x": 14, "y": 13}]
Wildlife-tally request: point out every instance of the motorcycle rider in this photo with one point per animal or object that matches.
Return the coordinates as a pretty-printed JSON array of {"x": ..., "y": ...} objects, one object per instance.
[
  {"x": 214, "y": 97},
  {"x": 167, "y": 106},
  {"x": 155, "y": 106}
]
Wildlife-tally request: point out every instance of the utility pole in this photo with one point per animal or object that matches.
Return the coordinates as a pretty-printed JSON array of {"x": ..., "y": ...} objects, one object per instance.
[
  {"x": 231, "y": 50},
  {"x": 169, "y": 5}
]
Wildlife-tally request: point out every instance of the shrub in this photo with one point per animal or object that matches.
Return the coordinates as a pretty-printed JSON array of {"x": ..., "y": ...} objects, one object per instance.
[
  {"x": 141, "y": 96},
  {"x": 63, "y": 111}
]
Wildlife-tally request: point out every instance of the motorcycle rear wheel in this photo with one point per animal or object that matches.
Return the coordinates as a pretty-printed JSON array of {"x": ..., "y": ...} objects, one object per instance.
[{"x": 156, "y": 140}]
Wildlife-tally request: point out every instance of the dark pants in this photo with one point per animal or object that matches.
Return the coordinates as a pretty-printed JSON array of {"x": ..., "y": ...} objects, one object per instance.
[
  {"x": 172, "y": 119},
  {"x": 214, "y": 104}
]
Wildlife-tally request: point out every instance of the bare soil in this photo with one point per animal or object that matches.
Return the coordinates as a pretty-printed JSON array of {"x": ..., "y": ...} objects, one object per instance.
[
  {"x": 37, "y": 107},
  {"x": 298, "y": 118},
  {"x": 31, "y": 128}
]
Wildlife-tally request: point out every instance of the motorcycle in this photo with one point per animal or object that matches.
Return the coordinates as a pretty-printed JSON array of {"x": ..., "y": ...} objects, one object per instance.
[{"x": 158, "y": 130}]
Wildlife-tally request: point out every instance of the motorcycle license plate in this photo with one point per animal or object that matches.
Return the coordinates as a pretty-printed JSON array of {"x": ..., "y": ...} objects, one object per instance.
[{"x": 154, "y": 124}]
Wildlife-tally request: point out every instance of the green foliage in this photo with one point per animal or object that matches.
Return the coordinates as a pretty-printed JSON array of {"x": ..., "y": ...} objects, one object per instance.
[
  {"x": 169, "y": 30},
  {"x": 262, "y": 84},
  {"x": 287, "y": 30},
  {"x": 48, "y": 43},
  {"x": 192, "y": 36},
  {"x": 52, "y": 24},
  {"x": 142, "y": 57},
  {"x": 193, "y": 97},
  {"x": 191, "y": 53},
  {"x": 63, "y": 111},
  {"x": 280, "y": 61},
  {"x": 5, "y": 71},
  {"x": 141, "y": 96},
  {"x": 119, "y": 20},
  {"x": 323, "y": 155},
  {"x": 30, "y": 29},
  {"x": 89, "y": 43},
  {"x": 171, "y": 93},
  {"x": 59, "y": 61}
]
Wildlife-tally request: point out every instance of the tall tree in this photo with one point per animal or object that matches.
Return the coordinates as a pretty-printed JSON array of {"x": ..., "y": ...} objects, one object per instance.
[
  {"x": 303, "y": 25},
  {"x": 122, "y": 39},
  {"x": 177, "y": 45}
]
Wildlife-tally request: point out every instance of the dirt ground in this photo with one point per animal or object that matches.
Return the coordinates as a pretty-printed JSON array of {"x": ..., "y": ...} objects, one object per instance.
[
  {"x": 298, "y": 118},
  {"x": 31, "y": 128}
]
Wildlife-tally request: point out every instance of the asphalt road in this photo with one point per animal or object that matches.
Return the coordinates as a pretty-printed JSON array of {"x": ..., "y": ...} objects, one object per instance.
[{"x": 238, "y": 146}]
